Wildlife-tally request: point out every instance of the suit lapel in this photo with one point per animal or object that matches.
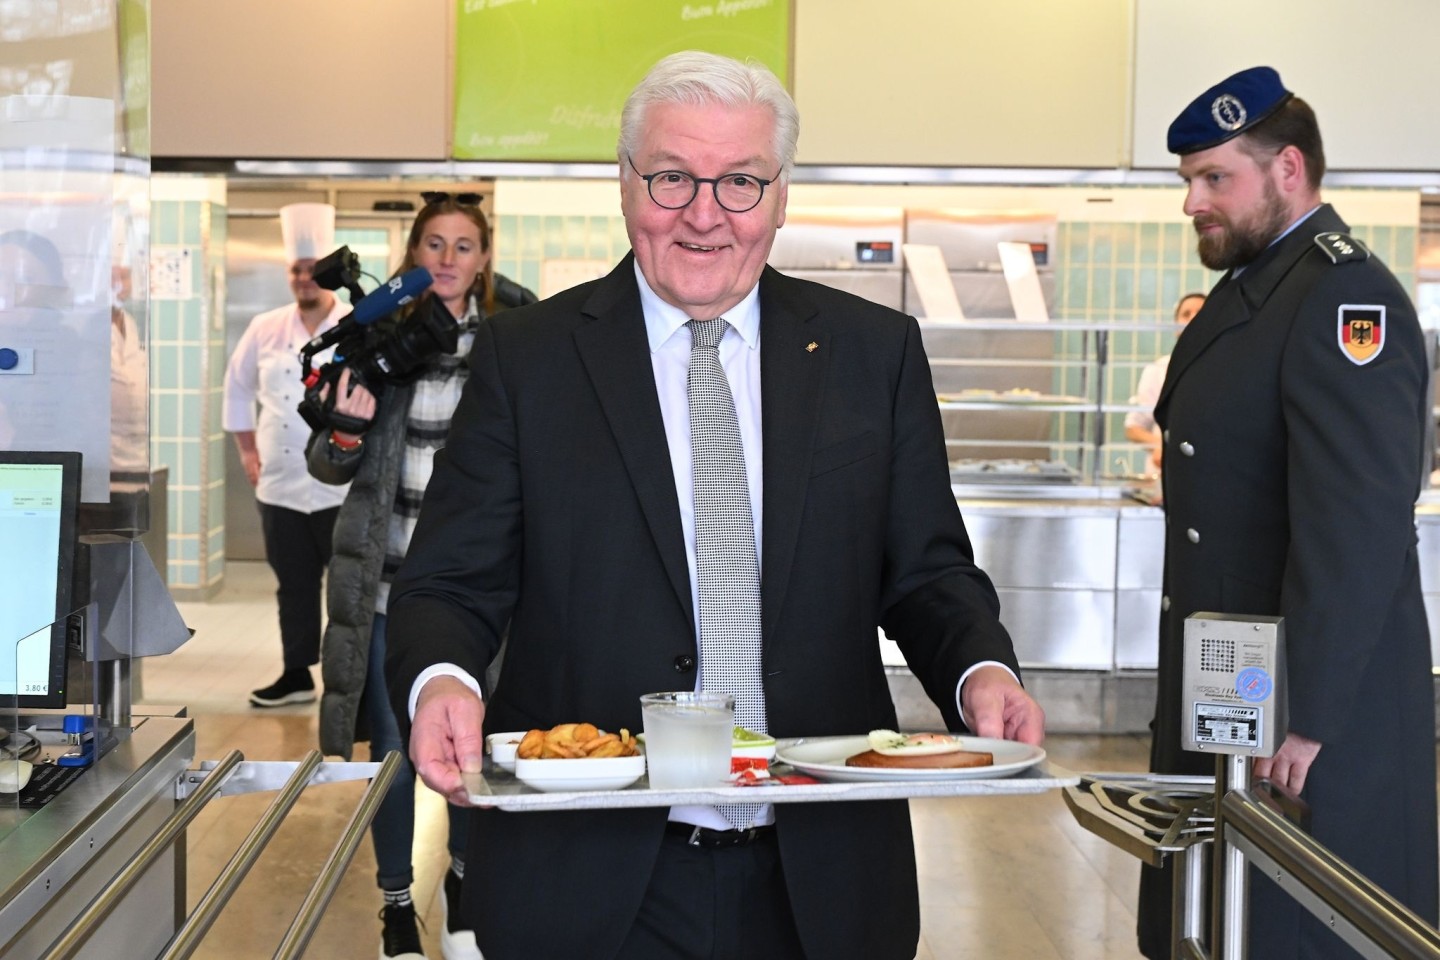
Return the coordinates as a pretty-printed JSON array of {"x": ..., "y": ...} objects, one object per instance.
[
  {"x": 616, "y": 354},
  {"x": 794, "y": 355}
]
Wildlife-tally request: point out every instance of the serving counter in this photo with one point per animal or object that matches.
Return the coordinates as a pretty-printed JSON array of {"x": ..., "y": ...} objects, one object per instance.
[
  {"x": 1078, "y": 568},
  {"x": 56, "y": 859}
]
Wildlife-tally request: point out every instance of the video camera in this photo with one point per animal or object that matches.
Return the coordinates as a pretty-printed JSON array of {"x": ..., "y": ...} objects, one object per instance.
[{"x": 371, "y": 342}]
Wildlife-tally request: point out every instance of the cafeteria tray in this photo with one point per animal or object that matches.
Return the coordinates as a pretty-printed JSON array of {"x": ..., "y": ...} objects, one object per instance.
[{"x": 497, "y": 788}]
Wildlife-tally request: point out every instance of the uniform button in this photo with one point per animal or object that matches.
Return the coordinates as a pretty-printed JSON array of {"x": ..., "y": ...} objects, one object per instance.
[
  {"x": 1166, "y": 436},
  {"x": 1165, "y": 603},
  {"x": 684, "y": 663},
  {"x": 1193, "y": 534},
  {"x": 1187, "y": 448}
]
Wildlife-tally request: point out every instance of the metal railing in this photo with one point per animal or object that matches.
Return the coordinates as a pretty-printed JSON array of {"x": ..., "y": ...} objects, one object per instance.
[{"x": 196, "y": 789}]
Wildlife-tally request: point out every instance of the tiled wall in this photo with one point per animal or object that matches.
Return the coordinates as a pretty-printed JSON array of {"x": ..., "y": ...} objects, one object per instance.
[
  {"x": 1135, "y": 273},
  {"x": 187, "y": 358},
  {"x": 523, "y": 242}
]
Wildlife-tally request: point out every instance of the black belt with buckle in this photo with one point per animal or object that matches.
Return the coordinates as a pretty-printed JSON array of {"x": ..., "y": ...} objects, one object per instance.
[{"x": 715, "y": 839}]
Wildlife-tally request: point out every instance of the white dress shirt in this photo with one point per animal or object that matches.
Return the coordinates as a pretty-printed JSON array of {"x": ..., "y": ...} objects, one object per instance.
[{"x": 264, "y": 371}]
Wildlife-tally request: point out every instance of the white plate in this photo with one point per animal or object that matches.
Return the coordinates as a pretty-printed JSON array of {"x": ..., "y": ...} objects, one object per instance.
[
  {"x": 503, "y": 747},
  {"x": 824, "y": 758},
  {"x": 604, "y": 773}
]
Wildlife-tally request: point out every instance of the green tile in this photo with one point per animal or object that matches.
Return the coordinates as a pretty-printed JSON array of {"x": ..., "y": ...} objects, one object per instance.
[
  {"x": 1125, "y": 242},
  {"x": 1100, "y": 291},
  {"x": 165, "y": 367},
  {"x": 532, "y": 237},
  {"x": 189, "y": 549},
  {"x": 1077, "y": 245},
  {"x": 192, "y": 326},
  {"x": 1403, "y": 259},
  {"x": 1077, "y": 293},
  {"x": 530, "y": 275},
  {"x": 1147, "y": 291},
  {"x": 1102, "y": 244},
  {"x": 190, "y": 231},
  {"x": 191, "y": 411},
  {"x": 1175, "y": 241},
  {"x": 1149, "y": 243},
  {"x": 182, "y": 574},
  {"x": 554, "y": 237},
  {"x": 165, "y": 222},
  {"x": 189, "y": 473},
  {"x": 598, "y": 238},
  {"x": 165, "y": 416},
  {"x": 575, "y": 243},
  {"x": 1171, "y": 285},
  {"x": 1124, "y": 289}
]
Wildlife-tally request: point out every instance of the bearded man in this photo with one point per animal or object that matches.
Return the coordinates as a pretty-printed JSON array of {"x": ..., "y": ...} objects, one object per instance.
[{"x": 1294, "y": 415}]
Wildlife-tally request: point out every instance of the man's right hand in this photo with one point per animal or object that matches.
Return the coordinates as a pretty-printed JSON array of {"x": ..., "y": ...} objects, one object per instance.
[
  {"x": 446, "y": 738},
  {"x": 250, "y": 460}
]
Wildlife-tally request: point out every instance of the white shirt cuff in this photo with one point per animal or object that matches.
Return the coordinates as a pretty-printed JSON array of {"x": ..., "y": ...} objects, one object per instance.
[
  {"x": 447, "y": 670},
  {"x": 958, "y": 687}
]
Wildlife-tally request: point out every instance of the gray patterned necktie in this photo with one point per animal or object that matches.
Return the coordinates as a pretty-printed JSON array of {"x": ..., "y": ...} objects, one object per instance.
[{"x": 727, "y": 569}]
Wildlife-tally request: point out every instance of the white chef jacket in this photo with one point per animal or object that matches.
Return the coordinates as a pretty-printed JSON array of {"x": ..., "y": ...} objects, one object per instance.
[{"x": 265, "y": 369}]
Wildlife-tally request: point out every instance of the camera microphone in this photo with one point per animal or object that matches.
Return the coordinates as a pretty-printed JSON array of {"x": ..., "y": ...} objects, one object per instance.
[
  {"x": 392, "y": 295},
  {"x": 380, "y": 303}
]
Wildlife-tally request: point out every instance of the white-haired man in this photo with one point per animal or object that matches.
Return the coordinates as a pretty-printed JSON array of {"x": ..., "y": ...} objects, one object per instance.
[{"x": 581, "y": 501}]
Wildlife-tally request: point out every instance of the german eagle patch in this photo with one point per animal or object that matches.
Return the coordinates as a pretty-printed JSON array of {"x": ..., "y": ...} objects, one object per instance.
[
  {"x": 1361, "y": 332},
  {"x": 1341, "y": 247}
]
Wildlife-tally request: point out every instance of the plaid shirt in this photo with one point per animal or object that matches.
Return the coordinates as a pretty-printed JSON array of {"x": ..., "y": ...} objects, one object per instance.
[{"x": 427, "y": 423}]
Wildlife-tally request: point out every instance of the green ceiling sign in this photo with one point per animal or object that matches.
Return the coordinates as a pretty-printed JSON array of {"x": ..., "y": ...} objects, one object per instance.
[{"x": 545, "y": 79}]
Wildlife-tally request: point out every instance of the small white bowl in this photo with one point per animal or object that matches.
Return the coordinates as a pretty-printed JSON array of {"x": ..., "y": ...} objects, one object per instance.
[
  {"x": 764, "y": 751},
  {"x": 602, "y": 773},
  {"x": 502, "y": 748}
]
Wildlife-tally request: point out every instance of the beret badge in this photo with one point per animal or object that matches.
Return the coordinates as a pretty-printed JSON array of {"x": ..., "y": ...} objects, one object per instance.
[{"x": 1229, "y": 112}]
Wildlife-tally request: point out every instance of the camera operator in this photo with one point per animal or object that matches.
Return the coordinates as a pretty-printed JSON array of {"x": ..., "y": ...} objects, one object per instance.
[{"x": 388, "y": 467}]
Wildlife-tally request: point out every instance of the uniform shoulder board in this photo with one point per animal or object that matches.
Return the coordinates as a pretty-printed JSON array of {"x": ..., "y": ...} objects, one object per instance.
[{"x": 1341, "y": 247}]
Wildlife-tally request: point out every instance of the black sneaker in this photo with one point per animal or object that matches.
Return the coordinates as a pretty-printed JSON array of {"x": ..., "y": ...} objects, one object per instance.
[
  {"x": 294, "y": 686},
  {"x": 400, "y": 937}
]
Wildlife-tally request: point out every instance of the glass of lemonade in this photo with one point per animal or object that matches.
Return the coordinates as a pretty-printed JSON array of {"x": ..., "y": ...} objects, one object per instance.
[{"x": 687, "y": 738}]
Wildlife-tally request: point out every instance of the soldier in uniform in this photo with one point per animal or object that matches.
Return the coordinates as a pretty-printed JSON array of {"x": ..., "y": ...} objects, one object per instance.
[{"x": 1293, "y": 417}]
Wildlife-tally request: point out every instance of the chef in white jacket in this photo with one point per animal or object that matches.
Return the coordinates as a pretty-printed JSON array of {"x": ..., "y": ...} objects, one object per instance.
[{"x": 262, "y": 393}]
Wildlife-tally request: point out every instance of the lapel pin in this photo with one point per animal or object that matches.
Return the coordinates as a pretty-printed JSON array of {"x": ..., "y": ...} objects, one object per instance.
[{"x": 811, "y": 347}]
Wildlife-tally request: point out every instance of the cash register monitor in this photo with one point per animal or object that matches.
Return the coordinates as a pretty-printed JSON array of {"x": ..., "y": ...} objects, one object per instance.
[{"x": 39, "y": 501}]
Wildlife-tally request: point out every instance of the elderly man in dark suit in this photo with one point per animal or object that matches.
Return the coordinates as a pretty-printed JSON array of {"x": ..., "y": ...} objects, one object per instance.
[
  {"x": 1294, "y": 414},
  {"x": 601, "y": 494}
]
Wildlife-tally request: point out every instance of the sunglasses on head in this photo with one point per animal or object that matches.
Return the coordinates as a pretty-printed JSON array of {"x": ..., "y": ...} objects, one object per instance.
[{"x": 440, "y": 196}]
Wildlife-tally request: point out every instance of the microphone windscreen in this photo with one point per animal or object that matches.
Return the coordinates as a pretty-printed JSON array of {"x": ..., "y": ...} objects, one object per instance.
[{"x": 392, "y": 295}]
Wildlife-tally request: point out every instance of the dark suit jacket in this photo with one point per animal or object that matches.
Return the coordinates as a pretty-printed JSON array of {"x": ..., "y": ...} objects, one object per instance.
[
  {"x": 553, "y": 507},
  {"x": 1291, "y": 474}
]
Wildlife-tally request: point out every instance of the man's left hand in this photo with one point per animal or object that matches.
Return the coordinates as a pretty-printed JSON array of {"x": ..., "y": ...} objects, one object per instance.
[
  {"x": 1291, "y": 763},
  {"x": 993, "y": 704}
]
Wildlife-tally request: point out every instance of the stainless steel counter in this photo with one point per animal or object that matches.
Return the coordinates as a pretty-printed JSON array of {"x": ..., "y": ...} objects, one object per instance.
[
  {"x": 54, "y": 860},
  {"x": 1078, "y": 572},
  {"x": 1079, "y": 568}
]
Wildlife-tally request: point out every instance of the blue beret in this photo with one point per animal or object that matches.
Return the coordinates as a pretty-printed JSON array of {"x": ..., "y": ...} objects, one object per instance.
[{"x": 1227, "y": 110}]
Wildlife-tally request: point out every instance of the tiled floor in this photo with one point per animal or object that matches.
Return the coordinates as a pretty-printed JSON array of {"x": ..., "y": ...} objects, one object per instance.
[{"x": 1000, "y": 878}]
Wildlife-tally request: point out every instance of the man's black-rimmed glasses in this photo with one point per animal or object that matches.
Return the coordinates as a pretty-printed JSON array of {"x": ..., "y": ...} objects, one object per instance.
[{"x": 676, "y": 189}]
